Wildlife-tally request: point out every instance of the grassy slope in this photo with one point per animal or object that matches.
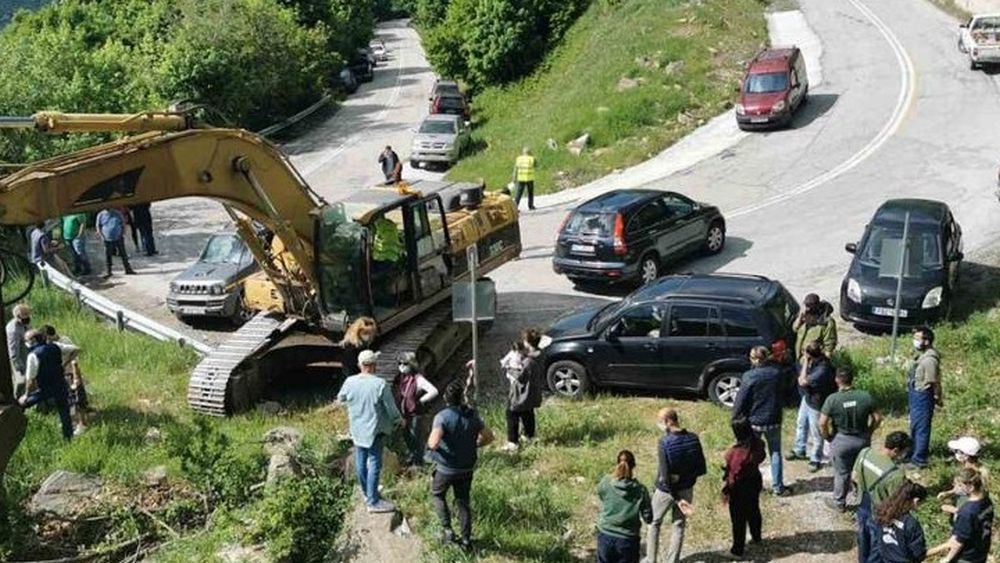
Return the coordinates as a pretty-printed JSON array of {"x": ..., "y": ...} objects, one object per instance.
[
  {"x": 576, "y": 91},
  {"x": 136, "y": 383}
]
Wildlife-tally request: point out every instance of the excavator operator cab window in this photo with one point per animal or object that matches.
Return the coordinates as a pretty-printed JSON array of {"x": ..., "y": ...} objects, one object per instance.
[
  {"x": 341, "y": 258},
  {"x": 390, "y": 280}
]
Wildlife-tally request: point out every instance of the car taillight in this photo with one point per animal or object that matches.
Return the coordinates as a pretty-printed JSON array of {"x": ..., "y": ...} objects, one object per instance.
[
  {"x": 437, "y": 105},
  {"x": 779, "y": 350},
  {"x": 564, "y": 221},
  {"x": 620, "y": 248}
]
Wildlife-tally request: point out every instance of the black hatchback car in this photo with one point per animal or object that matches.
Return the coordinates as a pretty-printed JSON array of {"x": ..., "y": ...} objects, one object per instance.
[
  {"x": 930, "y": 272},
  {"x": 689, "y": 333},
  {"x": 633, "y": 234}
]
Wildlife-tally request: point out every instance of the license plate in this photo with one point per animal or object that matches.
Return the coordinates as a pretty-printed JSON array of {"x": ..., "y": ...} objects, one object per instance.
[
  {"x": 582, "y": 249},
  {"x": 888, "y": 312},
  {"x": 758, "y": 120}
]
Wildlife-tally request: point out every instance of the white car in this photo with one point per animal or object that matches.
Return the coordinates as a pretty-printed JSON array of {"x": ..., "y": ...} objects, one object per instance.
[
  {"x": 378, "y": 49},
  {"x": 980, "y": 39},
  {"x": 440, "y": 140}
]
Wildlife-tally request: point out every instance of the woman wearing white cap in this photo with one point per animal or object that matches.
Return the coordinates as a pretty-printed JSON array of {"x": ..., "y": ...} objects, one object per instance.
[{"x": 966, "y": 450}]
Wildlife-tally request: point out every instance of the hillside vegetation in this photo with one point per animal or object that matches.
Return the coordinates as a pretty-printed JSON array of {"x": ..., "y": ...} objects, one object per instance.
[
  {"x": 634, "y": 75},
  {"x": 254, "y": 61}
]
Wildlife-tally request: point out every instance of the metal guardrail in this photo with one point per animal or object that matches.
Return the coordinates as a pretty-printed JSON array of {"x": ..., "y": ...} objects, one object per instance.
[
  {"x": 123, "y": 318},
  {"x": 281, "y": 125}
]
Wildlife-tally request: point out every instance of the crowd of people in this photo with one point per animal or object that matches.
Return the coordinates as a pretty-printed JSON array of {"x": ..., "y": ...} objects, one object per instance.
[
  {"x": 110, "y": 224},
  {"x": 45, "y": 371}
]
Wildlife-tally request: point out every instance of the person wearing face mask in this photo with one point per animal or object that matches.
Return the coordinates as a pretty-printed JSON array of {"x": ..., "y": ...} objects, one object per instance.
[
  {"x": 45, "y": 380},
  {"x": 17, "y": 349},
  {"x": 971, "y": 532},
  {"x": 413, "y": 393},
  {"x": 966, "y": 451},
  {"x": 924, "y": 389},
  {"x": 525, "y": 394}
]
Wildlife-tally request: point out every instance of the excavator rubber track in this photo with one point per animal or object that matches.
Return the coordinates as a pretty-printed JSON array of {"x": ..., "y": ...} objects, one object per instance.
[{"x": 228, "y": 374}]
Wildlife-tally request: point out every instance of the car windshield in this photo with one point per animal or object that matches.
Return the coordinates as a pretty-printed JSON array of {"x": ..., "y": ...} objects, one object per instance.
[
  {"x": 438, "y": 127},
  {"x": 450, "y": 102},
  {"x": 606, "y": 313},
  {"x": 989, "y": 24},
  {"x": 766, "y": 82},
  {"x": 590, "y": 223},
  {"x": 924, "y": 253},
  {"x": 223, "y": 249}
]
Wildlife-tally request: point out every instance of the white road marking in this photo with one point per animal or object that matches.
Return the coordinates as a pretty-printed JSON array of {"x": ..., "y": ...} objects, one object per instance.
[{"x": 903, "y": 102}]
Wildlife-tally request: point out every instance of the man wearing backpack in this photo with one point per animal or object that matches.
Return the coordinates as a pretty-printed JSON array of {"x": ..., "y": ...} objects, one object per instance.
[{"x": 681, "y": 462}]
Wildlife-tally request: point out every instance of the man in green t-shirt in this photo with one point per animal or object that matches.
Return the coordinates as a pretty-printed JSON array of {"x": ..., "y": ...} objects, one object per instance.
[
  {"x": 877, "y": 477},
  {"x": 74, "y": 227},
  {"x": 847, "y": 420}
]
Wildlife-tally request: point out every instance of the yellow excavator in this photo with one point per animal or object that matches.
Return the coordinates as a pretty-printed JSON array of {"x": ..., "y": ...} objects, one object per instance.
[{"x": 326, "y": 264}]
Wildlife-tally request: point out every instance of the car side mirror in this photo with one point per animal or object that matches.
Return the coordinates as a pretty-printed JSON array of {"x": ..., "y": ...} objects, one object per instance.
[
  {"x": 851, "y": 247},
  {"x": 963, "y": 25},
  {"x": 614, "y": 332},
  {"x": 958, "y": 257}
]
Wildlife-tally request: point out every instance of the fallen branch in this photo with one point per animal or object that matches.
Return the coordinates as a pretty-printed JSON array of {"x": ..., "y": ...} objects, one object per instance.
[
  {"x": 160, "y": 523},
  {"x": 92, "y": 555}
]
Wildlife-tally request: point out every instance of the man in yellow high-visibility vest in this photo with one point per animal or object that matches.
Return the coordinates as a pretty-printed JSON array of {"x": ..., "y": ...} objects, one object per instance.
[{"x": 524, "y": 177}]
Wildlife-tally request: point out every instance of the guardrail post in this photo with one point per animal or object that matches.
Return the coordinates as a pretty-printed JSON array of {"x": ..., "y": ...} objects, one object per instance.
[
  {"x": 120, "y": 320},
  {"x": 45, "y": 277},
  {"x": 79, "y": 297}
]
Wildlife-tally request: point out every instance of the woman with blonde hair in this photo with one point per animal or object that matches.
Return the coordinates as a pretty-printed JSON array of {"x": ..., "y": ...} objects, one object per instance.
[
  {"x": 359, "y": 336},
  {"x": 624, "y": 500}
]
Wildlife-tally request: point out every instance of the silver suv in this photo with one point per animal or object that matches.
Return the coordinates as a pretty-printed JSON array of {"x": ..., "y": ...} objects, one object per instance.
[
  {"x": 440, "y": 139},
  {"x": 211, "y": 287}
]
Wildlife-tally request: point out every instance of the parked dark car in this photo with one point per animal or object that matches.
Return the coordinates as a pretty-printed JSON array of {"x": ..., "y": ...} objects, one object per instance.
[
  {"x": 690, "y": 333},
  {"x": 362, "y": 66},
  {"x": 347, "y": 81},
  {"x": 444, "y": 87},
  {"x": 632, "y": 235},
  {"x": 211, "y": 287},
  {"x": 930, "y": 273},
  {"x": 451, "y": 105}
]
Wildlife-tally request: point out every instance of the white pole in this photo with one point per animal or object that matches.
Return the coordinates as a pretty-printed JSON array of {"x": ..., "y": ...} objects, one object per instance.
[
  {"x": 899, "y": 284},
  {"x": 473, "y": 258}
]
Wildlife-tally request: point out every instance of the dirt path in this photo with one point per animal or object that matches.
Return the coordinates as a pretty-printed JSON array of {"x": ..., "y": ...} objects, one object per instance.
[{"x": 378, "y": 538}]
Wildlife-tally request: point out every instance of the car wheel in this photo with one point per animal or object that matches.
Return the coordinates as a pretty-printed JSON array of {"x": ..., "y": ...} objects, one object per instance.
[
  {"x": 242, "y": 314},
  {"x": 649, "y": 268},
  {"x": 973, "y": 65},
  {"x": 723, "y": 388},
  {"x": 715, "y": 237},
  {"x": 568, "y": 379}
]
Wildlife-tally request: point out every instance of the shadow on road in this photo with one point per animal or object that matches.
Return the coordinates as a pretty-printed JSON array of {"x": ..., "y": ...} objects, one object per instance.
[
  {"x": 815, "y": 107},
  {"x": 819, "y": 542}
]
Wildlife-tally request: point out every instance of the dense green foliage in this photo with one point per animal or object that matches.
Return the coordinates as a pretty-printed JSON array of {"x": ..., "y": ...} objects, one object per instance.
[
  {"x": 255, "y": 61},
  {"x": 299, "y": 519},
  {"x": 489, "y": 42}
]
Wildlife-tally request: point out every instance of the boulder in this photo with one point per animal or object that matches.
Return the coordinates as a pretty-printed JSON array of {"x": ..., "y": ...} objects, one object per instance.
[
  {"x": 577, "y": 145},
  {"x": 282, "y": 440},
  {"x": 65, "y": 494},
  {"x": 627, "y": 83},
  {"x": 283, "y": 466},
  {"x": 155, "y": 476}
]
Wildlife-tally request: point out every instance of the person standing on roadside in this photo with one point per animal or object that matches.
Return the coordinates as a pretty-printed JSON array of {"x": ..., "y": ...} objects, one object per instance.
[
  {"x": 972, "y": 530},
  {"x": 743, "y": 485},
  {"x": 877, "y": 475},
  {"x": 44, "y": 250},
  {"x": 456, "y": 434},
  {"x": 142, "y": 220},
  {"x": 847, "y": 420},
  {"x": 815, "y": 324},
  {"x": 816, "y": 383},
  {"x": 902, "y": 537},
  {"x": 17, "y": 347},
  {"x": 525, "y": 394},
  {"x": 111, "y": 227},
  {"x": 392, "y": 167},
  {"x": 923, "y": 383},
  {"x": 413, "y": 393},
  {"x": 524, "y": 178},
  {"x": 44, "y": 379},
  {"x": 759, "y": 401},
  {"x": 624, "y": 501},
  {"x": 681, "y": 462},
  {"x": 74, "y": 229},
  {"x": 372, "y": 415},
  {"x": 359, "y": 336}
]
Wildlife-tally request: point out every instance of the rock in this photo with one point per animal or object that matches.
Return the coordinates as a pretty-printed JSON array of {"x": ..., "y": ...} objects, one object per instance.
[
  {"x": 243, "y": 554},
  {"x": 684, "y": 118},
  {"x": 390, "y": 464},
  {"x": 552, "y": 144},
  {"x": 627, "y": 83},
  {"x": 577, "y": 145},
  {"x": 65, "y": 494},
  {"x": 282, "y": 440},
  {"x": 155, "y": 476},
  {"x": 271, "y": 408},
  {"x": 403, "y": 530},
  {"x": 283, "y": 466},
  {"x": 153, "y": 436},
  {"x": 674, "y": 67}
]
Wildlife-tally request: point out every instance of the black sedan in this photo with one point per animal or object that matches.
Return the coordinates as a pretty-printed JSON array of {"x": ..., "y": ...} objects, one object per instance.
[
  {"x": 933, "y": 254},
  {"x": 634, "y": 235}
]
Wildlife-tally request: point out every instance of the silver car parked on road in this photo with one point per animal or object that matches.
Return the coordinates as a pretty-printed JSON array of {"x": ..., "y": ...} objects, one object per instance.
[
  {"x": 211, "y": 287},
  {"x": 440, "y": 139}
]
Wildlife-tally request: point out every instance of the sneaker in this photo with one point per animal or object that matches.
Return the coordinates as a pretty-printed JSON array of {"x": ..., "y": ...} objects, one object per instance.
[
  {"x": 130, "y": 272},
  {"x": 465, "y": 544},
  {"x": 794, "y": 456},
  {"x": 509, "y": 447},
  {"x": 814, "y": 467},
  {"x": 381, "y": 507},
  {"x": 833, "y": 504},
  {"x": 79, "y": 430},
  {"x": 782, "y": 492},
  {"x": 731, "y": 555}
]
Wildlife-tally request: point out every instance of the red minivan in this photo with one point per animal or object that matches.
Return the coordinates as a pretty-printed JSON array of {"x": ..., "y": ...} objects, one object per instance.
[{"x": 775, "y": 86}]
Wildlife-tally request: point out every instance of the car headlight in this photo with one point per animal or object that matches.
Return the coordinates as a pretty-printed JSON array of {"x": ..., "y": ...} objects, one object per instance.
[
  {"x": 173, "y": 287},
  {"x": 740, "y": 109},
  {"x": 215, "y": 289},
  {"x": 933, "y": 298},
  {"x": 854, "y": 290},
  {"x": 780, "y": 106},
  {"x": 544, "y": 342}
]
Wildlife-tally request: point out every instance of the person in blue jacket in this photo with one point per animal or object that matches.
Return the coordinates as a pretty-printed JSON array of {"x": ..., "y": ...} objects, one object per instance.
[{"x": 902, "y": 538}]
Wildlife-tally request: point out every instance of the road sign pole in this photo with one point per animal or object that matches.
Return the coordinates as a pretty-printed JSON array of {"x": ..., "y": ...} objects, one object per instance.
[
  {"x": 473, "y": 258},
  {"x": 899, "y": 284}
]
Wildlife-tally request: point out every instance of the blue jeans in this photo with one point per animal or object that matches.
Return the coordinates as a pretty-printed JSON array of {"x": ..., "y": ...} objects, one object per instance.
[
  {"x": 61, "y": 399},
  {"x": 81, "y": 263},
  {"x": 614, "y": 549},
  {"x": 807, "y": 428},
  {"x": 921, "y": 413},
  {"x": 773, "y": 438},
  {"x": 368, "y": 463}
]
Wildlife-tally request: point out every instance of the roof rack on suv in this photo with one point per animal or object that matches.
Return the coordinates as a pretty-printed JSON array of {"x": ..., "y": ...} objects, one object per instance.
[
  {"x": 737, "y": 275},
  {"x": 705, "y": 296}
]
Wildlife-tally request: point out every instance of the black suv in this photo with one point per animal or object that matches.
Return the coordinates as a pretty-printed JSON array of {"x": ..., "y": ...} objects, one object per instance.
[
  {"x": 690, "y": 333},
  {"x": 632, "y": 234}
]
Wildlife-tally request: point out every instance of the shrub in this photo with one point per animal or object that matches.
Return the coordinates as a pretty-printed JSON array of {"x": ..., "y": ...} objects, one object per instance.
[
  {"x": 214, "y": 467},
  {"x": 299, "y": 519}
]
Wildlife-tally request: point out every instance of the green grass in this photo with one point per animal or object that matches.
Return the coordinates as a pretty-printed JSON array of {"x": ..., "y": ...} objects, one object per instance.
[
  {"x": 688, "y": 56},
  {"x": 952, "y": 9}
]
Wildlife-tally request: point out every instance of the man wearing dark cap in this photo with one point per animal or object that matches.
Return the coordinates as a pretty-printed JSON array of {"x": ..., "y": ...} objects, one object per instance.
[
  {"x": 877, "y": 476},
  {"x": 815, "y": 324}
]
